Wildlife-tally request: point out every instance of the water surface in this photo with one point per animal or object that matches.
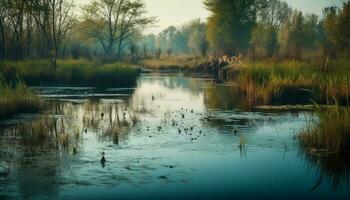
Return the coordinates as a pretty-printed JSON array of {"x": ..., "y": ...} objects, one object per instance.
[{"x": 170, "y": 137}]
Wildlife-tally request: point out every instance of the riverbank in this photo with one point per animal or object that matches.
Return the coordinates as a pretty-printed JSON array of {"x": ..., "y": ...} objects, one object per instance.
[
  {"x": 17, "y": 98},
  {"x": 71, "y": 73},
  {"x": 179, "y": 64}
]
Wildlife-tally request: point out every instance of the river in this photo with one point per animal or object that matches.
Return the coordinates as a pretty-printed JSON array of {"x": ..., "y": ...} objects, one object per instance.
[{"x": 171, "y": 137}]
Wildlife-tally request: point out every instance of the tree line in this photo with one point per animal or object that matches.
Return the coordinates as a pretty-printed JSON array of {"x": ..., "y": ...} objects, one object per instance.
[
  {"x": 270, "y": 28},
  {"x": 259, "y": 29},
  {"x": 190, "y": 38},
  {"x": 112, "y": 29},
  {"x": 36, "y": 29}
]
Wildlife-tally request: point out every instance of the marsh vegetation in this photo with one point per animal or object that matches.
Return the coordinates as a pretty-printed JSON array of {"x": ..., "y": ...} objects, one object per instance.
[
  {"x": 331, "y": 134},
  {"x": 292, "y": 82},
  {"x": 17, "y": 98},
  {"x": 71, "y": 73}
]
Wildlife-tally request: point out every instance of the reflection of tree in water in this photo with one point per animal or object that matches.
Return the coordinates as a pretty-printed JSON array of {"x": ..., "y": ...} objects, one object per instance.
[
  {"x": 229, "y": 97},
  {"x": 225, "y": 97},
  {"x": 330, "y": 168},
  {"x": 111, "y": 121},
  {"x": 176, "y": 82},
  {"x": 115, "y": 124},
  {"x": 34, "y": 151},
  {"x": 38, "y": 176}
]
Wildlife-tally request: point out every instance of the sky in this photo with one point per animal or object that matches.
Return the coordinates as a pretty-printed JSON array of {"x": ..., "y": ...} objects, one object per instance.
[{"x": 177, "y": 12}]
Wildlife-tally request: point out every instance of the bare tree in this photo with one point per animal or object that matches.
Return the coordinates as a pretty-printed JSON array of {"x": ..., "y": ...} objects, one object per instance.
[
  {"x": 55, "y": 18},
  {"x": 275, "y": 13},
  {"x": 113, "y": 22},
  {"x": 11, "y": 27},
  {"x": 3, "y": 27}
]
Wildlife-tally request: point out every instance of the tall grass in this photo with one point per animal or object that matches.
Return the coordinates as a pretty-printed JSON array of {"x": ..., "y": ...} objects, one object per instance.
[
  {"x": 71, "y": 73},
  {"x": 271, "y": 82},
  {"x": 18, "y": 99},
  {"x": 331, "y": 133}
]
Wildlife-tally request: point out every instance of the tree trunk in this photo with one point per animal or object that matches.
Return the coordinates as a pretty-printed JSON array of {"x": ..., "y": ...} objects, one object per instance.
[{"x": 2, "y": 41}]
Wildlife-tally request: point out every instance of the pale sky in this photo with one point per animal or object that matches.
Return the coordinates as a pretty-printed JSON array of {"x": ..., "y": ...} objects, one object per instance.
[{"x": 177, "y": 12}]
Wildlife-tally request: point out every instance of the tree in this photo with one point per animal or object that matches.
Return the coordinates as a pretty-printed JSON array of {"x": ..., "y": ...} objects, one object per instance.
[
  {"x": 275, "y": 13},
  {"x": 343, "y": 27},
  {"x": 167, "y": 38},
  {"x": 197, "y": 41},
  {"x": 263, "y": 41},
  {"x": 113, "y": 23},
  {"x": 34, "y": 28},
  {"x": 330, "y": 23},
  {"x": 3, "y": 28},
  {"x": 12, "y": 27},
  {"x": 55, "y": 18},
  {"x": 292, "y": 42},
  {"x": 271, "y": 18},
  {"x": 311, "y": 34},
  {"x": 148, "y": 44},
  {"x": 186, "y": 39},
  {"x": 231, "y": 23}
]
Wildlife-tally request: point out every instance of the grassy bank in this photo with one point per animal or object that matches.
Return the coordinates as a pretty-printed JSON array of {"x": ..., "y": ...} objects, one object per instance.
[
  {"x": 71, "y": 73},
  {"x": 175, "y": 63},
  {"x": 290, "y": 82},
  {"x": 331, "y": 133},
  {"x": 17, "y": 100}
]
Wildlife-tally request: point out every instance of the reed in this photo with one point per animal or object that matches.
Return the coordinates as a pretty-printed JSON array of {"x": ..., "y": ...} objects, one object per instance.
[
  {"x": 331, "y": 134},
  {"x": 273, "y": 82}
]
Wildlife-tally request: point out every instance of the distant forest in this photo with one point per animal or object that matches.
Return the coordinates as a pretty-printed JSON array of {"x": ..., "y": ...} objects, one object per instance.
[{"x": 113, "y": 30}]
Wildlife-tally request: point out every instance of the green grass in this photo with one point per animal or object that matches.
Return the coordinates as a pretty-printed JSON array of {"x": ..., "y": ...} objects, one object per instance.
[
  {"x": 71, "y": 73},
  {"x": 331, "y": 133},
  {"x": 17, "y": 100}
]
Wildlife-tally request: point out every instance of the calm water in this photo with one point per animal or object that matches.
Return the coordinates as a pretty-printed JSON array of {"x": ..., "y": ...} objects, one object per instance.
[{"x": 171, "y": 137}]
